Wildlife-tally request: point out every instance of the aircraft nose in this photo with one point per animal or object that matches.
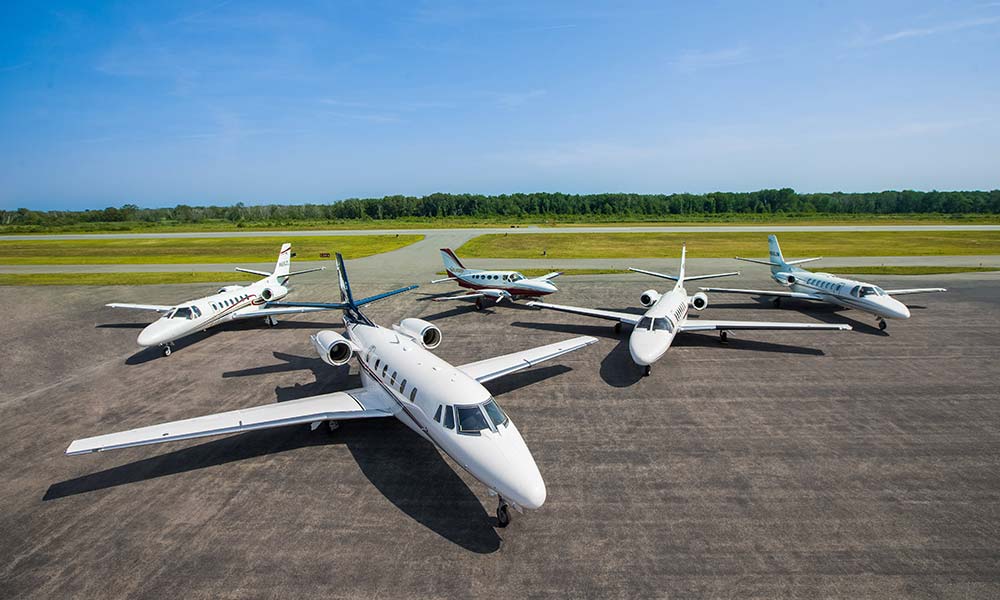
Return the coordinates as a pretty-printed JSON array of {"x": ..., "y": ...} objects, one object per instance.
[
  {"x": 531, "y": 493},
  {"x": 897, "y": 310},
  {"x": 646, "y": 347},
  {"x": 549, "y": 287},
  {"x": 155, "y": 333}
]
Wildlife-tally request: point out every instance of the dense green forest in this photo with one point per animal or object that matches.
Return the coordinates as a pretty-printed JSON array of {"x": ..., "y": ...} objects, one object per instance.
[{"x": 537, "y": 205}]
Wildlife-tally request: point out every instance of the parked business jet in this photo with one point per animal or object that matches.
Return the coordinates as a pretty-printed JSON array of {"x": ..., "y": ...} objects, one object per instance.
[
  {"x": 496, "y": 285},
  {"x": 400, "y": 378},
  {"x": 231, "y": 303},
  {"x": 667, "y": 315},
  {"x": 824, "y": 287}
]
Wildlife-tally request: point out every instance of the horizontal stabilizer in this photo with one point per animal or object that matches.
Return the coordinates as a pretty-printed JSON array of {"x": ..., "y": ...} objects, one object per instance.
[
  {"x": 802, "y": 260},
  {"x": 759, "y": 261},
  {"x": 253, "y": 272},
  {"x": 156, "y": 307},
  {"x": 443, "y": 280},
  {"x": 304, "y": 271}
]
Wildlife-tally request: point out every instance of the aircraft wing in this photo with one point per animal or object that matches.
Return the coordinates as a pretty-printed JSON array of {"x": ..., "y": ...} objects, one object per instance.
[
  {"x": 492, "y": 368},
  {"x": 156, "y": 307},
  {"x": 352, "y": 404},
  {"x": 772, "y": 293},
  {"x": 706, "y": 325},
  {"x": 461, "y": 297},
  {"x": 250, "y": 312},
  {"x": 914, "y": 291},
  {"x": 591, "y": 312}
]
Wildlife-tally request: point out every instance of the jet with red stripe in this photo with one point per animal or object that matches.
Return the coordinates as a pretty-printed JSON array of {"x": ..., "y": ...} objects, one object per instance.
[{"x": 494, "y": 285}]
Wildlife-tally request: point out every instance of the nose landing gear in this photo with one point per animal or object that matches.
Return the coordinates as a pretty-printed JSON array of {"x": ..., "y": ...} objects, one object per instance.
[
  {"x": 647, "y": 370},
  {"x": 166, "y": 350},
  {"x": 503, "y": 512},
  {"x": 723, "y": 337},
  {"x": 882, "y": 324}
]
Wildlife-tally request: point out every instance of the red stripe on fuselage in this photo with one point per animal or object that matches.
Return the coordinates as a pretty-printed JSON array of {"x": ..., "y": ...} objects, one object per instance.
[{"x": 513, "y": 290}]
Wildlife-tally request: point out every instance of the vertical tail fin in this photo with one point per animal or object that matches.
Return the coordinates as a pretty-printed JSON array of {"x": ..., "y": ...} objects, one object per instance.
[
  {"x": 282, "y": 267},
  {"x": 777, "y": 260},
  {"x": 345, "y": 285},
  {"x": 680, "y": 273},
  {"x": 451, "y": 263}
]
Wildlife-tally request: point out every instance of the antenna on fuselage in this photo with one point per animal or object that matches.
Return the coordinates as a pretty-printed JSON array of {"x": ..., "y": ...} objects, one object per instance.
[{"x": 347, "y": 303}]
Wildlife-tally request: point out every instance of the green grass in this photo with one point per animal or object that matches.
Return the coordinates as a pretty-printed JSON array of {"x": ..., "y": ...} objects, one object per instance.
[
  {"x": 123, "y": 278},
  {"x": 909, "y": 270},
  {"x": 724, "y": 245},
  {"x": 529, "y": 273},
  {"x": 192, "y": 250},
  {"x": 539, "y": 220}
]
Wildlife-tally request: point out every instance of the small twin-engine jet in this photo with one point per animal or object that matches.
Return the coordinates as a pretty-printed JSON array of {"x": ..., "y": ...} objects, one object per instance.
[
  {"x": 496, "y": 285},
  {"x": 400, "y": 378},
  {"x": 228, "y": 304},
  {"x": 824, "y": 287},
  {"x": 667, "y": 315}
]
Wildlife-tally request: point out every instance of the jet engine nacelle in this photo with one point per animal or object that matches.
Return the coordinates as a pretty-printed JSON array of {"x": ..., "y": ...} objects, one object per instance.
[
  {"x": 699, "y": 301},
  {"x": 333, "y": 348},
  {"x": 649, "y": 298},
  {"x": 267, "y": 294},
  {"x": 426, "y": 333},
  {"x": 785, "y": 278}
]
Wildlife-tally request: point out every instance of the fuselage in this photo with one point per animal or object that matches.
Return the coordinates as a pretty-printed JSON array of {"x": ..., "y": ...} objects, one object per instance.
[
  {"x": 196, "y": 315},
  {"x": 511, "y": 281},
  {"x": 845, "y": 292},
  {"x": 450, "y": 409},
  {"x": 654, "y": 333}
]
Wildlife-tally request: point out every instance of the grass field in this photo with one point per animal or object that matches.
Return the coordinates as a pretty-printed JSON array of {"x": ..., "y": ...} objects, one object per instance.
[
  {"x": 192, "y": 250},
  {"x": 724, "y": 245},
  {"x": 899, "y": 270},
  {"x": 536, "y": 220},
  {"x": 123, "y": 278}
]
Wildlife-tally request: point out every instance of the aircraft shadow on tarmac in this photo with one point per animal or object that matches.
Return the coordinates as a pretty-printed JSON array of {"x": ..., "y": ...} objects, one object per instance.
[
  {"x": 147, "y": 354},
  {"x": 467, "y": 306},
  {"x": 326, "y": 379},
  {"x": 408, "y": 470}
]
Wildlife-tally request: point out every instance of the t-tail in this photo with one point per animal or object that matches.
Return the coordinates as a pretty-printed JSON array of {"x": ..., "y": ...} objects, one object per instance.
[
  {"x": 776, "y": 260},
  {"x": 350, "y": 306},
  {"x": 681, "y": 276},
  {"x": 282, "y": 268},
  {"x": 452, "y": 264}
]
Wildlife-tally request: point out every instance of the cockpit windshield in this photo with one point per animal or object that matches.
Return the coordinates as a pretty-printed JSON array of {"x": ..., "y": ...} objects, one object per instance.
[
  {"x": 870, "y": 290},
  {"x": 471, "y": 419},
  {"x": 182, "y": 312},
  {"x": 657, "y": 324},
  {"x": 516, "y": 277},
  {"x": 495, "y": 413}
]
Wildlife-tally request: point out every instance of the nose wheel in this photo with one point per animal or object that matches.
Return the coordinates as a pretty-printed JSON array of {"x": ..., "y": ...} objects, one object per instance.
[
  {"x": 503, "y": 513},
  {"x": 166, "y": 350},
  {"x": 723, "y": 337},
  {"x": 647, "y": 370},
  {"x": 882, "y": 324}
]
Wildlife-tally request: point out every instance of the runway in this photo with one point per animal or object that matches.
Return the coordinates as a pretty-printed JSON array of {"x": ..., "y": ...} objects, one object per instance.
[{"x": 783, "y": 464}]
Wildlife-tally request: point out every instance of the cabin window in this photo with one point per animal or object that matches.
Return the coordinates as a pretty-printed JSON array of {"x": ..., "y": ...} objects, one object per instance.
[
  {"x": 413, "y": 394},
  {"x": 385, "y": 369},
  {"x": 449, "y": 417},
  {"x": 378, "y": 361},
  {"x": 402, "y": 386},
  {"x": 437, "y": 414},
  {"x": 392, "y": 380},
  {"x": 214, "y": 307}
]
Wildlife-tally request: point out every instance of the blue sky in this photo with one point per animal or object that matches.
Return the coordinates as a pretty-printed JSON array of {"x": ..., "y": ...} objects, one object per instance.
[{"x": 216, "y": 102}]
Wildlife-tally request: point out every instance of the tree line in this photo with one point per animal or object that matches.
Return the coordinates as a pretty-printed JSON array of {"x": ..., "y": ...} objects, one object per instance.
[{"x": 537, "y": 205}]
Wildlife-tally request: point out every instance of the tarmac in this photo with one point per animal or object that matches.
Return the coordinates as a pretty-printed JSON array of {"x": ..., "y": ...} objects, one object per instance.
[{"x": 782, "y": 464}]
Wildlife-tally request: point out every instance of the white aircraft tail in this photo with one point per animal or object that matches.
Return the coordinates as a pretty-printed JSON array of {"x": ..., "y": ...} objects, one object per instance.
[
  {"x": 452, "y": 264},
  {"x": 680, "y": 273},
  {"x": 283, "y": 266}
]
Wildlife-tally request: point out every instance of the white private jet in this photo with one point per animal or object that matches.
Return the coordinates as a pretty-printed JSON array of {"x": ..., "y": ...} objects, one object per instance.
[
  {"x": 824, "y": 287},
  {"x": 446, "y": 405},
  {"x": 667, "y": 315},
  {"x": 231, "y": 303},
  {"x": 496, "y": 285}
]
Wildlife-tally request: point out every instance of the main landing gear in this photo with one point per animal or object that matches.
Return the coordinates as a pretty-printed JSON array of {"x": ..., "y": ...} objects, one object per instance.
[
  {"x": 271, "y": 321},
  {"x": 479, "y": 304},
  {"x": 777, "y": 302},
  {"x": 503, "y": 512},
  {"x": 166, "y": 350},
  {"x": 882, "y": 324},
  {"x": 618, "y": 328},
  {"x": 723, "y": 337}
]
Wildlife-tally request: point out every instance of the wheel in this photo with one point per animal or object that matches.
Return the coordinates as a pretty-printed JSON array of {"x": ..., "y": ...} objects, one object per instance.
[
  {"x": 332, "y": 427},
  {"x": 618, "y": 328},
  {"x": 479, "y": 304},
  {"x": 777, "y": 303},
  {"x": 882, "y": 324},
  {"x": 647, "y": 370},
  {"x": 723, "y": 337},
  {"x": 166, "y": 351},
  {"x": 503, "y": 515}
]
